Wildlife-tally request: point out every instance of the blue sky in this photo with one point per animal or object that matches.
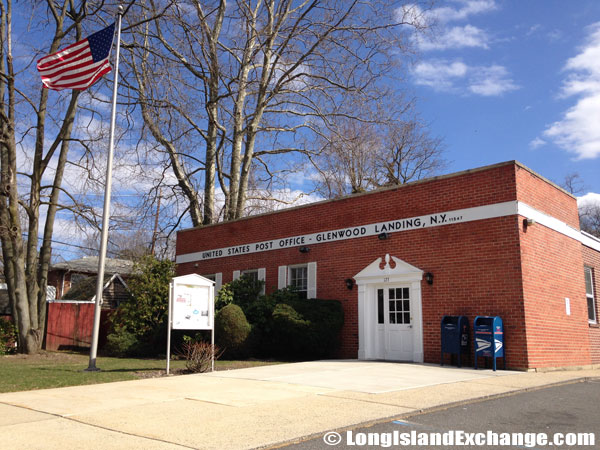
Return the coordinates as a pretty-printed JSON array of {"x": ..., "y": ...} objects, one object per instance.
[
  {"x": 520, "y": 80},
  {"x": 500, "y": 80}
]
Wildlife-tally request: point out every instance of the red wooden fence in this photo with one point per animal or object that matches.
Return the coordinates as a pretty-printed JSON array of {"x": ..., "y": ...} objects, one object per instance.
[{"x": 70, "y": 325}]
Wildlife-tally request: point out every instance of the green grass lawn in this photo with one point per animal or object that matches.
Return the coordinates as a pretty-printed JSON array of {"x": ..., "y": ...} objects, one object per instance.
[{"x": 59, "y": 369}]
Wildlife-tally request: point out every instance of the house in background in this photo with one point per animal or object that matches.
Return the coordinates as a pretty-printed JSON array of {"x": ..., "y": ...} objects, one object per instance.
[
  {"x": 70, "y": 314},
  {"x": 72, "y": 279}
]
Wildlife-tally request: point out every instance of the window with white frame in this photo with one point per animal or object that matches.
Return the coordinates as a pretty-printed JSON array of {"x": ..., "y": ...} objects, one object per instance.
[
  {"x": 301, "y": 276},
  {"x": 255, "y": 275},
  {"x": 298, "y": 278},
  {"x": 589, "y": 293},
  {"x": 250, "y": 274}
]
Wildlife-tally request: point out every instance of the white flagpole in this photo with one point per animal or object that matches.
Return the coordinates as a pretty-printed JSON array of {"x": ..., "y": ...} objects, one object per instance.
[{"x": 106, "y": 211}]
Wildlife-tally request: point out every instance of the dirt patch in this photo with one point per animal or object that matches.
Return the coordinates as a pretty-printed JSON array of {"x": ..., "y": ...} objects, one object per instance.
[
  {"x": 142, "y": 374},
  {"x": 231, "y": 365},
  {"x": 160, "y": 373},
  {"x": 46, "y": 357}
]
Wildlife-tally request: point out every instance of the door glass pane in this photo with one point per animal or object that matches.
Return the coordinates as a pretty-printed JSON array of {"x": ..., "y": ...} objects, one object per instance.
[
  {"x": 392, "y": 294},
  {"x": 406, "y": 317},
  {"x": 406, "y": 293},
  {"x": 406, "y": 305},
  {"x": 379, "y": 305},
  {"x": 398, "y": 293},
  {"x": 392, "y": 305},
  {"x": 392, "y": 317}
]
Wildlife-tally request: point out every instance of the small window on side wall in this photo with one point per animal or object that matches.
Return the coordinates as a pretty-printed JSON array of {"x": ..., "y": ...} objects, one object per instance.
[{"x": 589, "y": 293}]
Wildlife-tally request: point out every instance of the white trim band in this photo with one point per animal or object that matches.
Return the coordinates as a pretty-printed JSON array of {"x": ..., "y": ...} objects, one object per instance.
[
  {"x": 405, "y": 224},
  {"x": 559, "y": 226},
  {"x": 373, "y": 229}
]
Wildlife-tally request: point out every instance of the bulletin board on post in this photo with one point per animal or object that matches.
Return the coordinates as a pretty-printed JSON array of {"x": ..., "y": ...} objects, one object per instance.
[{"x": 191, "y": 307}]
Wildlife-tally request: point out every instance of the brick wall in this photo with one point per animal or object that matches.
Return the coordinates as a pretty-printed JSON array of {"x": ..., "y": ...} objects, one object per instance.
[
  {"x": 552, "y": 271},
  {"x": 474, "y": 188},
  {"x": 546, "y": 197},
  {"x": 476, "y": 265},
  {"x": 591, "y": 258}
]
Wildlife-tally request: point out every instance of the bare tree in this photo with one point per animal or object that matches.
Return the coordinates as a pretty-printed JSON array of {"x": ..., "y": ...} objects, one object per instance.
[
  {"x": 33, "y": 153},
  {"x": 589, "y": 218},
  {"x": 573, "y": 183},
  {"x": 589, "y": 212},
  {"x": 227, "y": 89},
  {"x": 386, "y": 146}
]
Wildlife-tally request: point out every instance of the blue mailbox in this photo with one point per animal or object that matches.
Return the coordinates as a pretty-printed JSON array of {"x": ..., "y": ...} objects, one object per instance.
[
  {"x": 455, "y": 336},
  {"x": 489, "y": 338}
]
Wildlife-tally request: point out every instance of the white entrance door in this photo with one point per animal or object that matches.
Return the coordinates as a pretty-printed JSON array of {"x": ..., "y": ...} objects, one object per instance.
[
  {"x": 395, "y": 320},
  {"x": 390, "y": 321}
]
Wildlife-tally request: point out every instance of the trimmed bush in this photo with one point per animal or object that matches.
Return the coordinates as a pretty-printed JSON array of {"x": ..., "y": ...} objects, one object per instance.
[
  {"x": 282, "y": 324},
  {"x": 232, "y": 330},
  {"x": 306, "y": 329}
]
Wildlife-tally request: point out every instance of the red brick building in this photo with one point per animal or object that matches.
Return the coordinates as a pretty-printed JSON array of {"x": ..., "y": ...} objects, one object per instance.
[{"x": 498, "y": 240}]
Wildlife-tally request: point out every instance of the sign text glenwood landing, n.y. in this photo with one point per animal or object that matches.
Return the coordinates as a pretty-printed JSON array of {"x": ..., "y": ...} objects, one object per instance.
[{"x": 373, "y": 229}]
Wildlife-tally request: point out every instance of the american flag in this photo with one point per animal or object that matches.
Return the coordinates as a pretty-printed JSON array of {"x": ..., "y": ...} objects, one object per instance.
[{"x": 80, "y": 65}]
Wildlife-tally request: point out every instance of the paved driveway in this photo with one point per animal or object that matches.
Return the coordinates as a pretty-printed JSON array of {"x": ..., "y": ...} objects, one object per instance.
[
  {"x": 245, "y": 408},
  {"x": 373, "y": 377}
]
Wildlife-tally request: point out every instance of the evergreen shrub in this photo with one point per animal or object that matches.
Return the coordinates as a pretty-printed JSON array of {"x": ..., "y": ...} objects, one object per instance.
[{"x": 232, "y": 330}]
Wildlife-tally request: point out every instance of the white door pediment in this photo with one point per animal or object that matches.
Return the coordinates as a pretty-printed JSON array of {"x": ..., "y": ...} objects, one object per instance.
[{"x": 394, "y": 269}]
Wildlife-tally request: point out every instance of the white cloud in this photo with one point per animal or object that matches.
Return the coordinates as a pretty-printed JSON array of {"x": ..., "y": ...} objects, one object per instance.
[
  {"x": 491, "y": 81},
  {"x": 536, "y": 143},
  {"x": 578, "y": 131},
  {"x": 457, "y": 37},
  {"x": 589, "y": 199},
  {"x": 460, "y": 10},
  {"x": 438, "y": 74},
  {"x": 533, "y": 29},
  {"x": 458, "y": 77},
  {"x": 464, "y": 9}
]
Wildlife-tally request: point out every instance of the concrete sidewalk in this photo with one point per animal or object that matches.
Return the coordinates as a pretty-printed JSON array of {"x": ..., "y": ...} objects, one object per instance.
[{"x": 246, "y": 408}]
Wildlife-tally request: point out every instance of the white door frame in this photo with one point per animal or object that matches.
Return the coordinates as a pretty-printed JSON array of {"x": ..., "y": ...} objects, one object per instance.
[{"x": 394, "y": 272}]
